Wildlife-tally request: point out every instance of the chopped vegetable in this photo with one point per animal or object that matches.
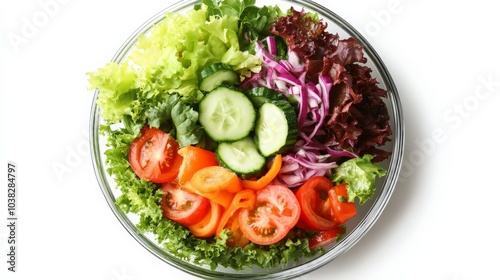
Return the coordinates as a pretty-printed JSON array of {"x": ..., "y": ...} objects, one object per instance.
[
  {"x": 217, "y": 74},
  {"x": 215, "y": 179},
  {"x": 343, "y": 210},
  {"x": 244, "y": 199},
  {"x": 206, "y": 227},
  {"x": 227, "y": 114},
  {"x": 360, "y": 175},
  {"x": 241, "y": 157},
  {"x": 275, "y": 213},
  {"x": 326, "y": 237},
  {"x": 316, "y": 210},
  {"x": 194, "y": 159},
  {"x": 153, "y": 156},
  {"x": 276, "y": 127},
  {"x": 236, "y": 236},
  {"x": 267, "y": 178},
  {"x": 261, "y": 95},
  {"x": 176, "y": 117},
  {"x": 223, "y": 198},
  {"x": 181, "y": 206}
]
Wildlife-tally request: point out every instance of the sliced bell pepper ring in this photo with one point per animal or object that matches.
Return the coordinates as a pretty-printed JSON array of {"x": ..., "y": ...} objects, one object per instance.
[
  {"x": 237, "y": 237},
  {"x": 342, "y": 209},
  {"x": 326, "y": 237},
  {"x": 194, "y": 159},
  {"x": 206, "y": 227},
  {"x": 216, "y": 178},
  {"x": 267, "y": 178},
  {"x": 316, "y": 212},
  {"x": 243, "y": 199},
  {"x": 223, "y": 198}
]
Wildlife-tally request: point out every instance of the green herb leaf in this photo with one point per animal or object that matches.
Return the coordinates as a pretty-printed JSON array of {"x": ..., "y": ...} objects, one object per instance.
[{"x": 185, "y": 118}]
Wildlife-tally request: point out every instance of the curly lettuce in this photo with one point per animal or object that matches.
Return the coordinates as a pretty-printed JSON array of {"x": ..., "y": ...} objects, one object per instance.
[{"x": 360, "y": 175}]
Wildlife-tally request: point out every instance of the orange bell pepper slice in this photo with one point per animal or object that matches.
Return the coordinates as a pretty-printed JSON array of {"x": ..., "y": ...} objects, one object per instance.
[
  {"x": 194, "y": 159},
  {"x": 243, "y": 199},
  {"x": 206, "y": 227},
  {"x": 223, "y": 198},
  {"x": 237, "y": 237},
  {"x": 267, "y": 178},
  {"x": 216, "y": 178}
]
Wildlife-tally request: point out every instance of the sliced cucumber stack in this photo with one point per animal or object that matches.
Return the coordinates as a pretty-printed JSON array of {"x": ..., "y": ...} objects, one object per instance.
[
  {"x": 276, "y": 128},
  {"x": 261, "y": 95},
  {"x": 217, "y": 74},
  {"x": 241, "y": 157},
  {"x": 227, "y": 114}
]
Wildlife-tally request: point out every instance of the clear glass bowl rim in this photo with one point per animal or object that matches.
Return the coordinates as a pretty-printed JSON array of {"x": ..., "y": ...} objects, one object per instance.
[{"x": 347, "y": 242}]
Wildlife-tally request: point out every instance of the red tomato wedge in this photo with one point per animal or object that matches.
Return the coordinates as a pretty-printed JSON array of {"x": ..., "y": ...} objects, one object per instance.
[
  {"x": 316, "y": 210},
  {"x": 326, "y": 237},
  {"x": 181, "y": 206},
  {"x": 154, "y": 156},
  {"x": 276, "y": 212},
  {"x": 342, "y": 209},
  {"x": 206, "y": 227},
  {"x": 194, "y": 159}
]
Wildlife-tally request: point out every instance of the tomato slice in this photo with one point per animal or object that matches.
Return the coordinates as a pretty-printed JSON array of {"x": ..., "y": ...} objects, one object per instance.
[
  {"x": 276, "y": 212},
  {"x": 181, "y": 206},
  {"x": 316, "y": 210},
  {"x": 154, "y": 156},
  {"x": 207, "y": 226},
  {"x": 342, "y": 209},
  {"x": 326, "y": 237}
]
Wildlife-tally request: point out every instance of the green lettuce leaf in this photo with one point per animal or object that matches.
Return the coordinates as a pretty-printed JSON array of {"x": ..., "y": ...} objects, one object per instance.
[
  {"x": 178, "y": 119},
  {"x": 187, "y": 130},
  {"x": 360, "y": 175},
  {"x": 117, "y": 89},
  {"x": 162, "y": 112}
]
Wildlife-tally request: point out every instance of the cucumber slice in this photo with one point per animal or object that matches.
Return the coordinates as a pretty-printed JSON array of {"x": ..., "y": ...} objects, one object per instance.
[
  {"x": 260, "y": 95},
  {"x": 227, "y": 114},
  {"x": 241, "y": 157},
  {"x": 216, "y": 75},
  {"x": 276, "y": 129}
]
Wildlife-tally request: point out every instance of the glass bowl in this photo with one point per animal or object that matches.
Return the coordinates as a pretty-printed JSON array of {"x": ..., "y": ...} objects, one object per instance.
[{"x": 356, "y": 228}]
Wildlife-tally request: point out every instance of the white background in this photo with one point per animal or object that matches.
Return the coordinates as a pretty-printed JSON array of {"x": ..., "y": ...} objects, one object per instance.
[{"x": 441, "y": 222}]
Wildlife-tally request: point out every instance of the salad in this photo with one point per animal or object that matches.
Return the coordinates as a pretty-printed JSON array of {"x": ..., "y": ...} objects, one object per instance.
[{"x": 242, "y": 135}]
